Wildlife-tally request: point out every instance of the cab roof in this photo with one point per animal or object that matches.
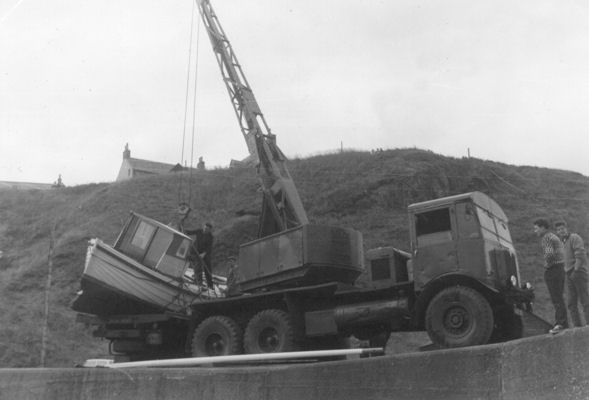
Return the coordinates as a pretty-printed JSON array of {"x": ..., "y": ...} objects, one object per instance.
[{"x": 478, "y": 198}]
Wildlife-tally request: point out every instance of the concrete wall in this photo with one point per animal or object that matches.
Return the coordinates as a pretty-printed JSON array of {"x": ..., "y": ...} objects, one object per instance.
[{"x": 543, "y": 367}]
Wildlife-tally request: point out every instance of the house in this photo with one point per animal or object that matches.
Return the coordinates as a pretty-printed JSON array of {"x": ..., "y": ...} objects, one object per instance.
[{"x": 134, "y": 167}]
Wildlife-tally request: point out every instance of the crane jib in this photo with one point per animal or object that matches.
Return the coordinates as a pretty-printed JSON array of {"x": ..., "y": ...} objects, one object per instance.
[{"x": 282, "y": 207}]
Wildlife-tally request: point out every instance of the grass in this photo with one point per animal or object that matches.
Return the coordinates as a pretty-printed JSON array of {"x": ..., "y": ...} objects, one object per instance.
[{"x": 361, "y": 190}]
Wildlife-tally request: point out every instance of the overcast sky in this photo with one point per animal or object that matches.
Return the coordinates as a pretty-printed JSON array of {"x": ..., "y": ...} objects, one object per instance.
[{"x": 79, "y": 79}]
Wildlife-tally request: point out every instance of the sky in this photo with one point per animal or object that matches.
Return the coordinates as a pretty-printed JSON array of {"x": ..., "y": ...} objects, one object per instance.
[{"x": 506, "y": 81}]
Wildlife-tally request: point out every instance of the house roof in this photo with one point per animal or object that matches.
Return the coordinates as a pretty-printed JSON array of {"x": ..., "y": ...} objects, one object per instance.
[{"x": 153, "y": 167}]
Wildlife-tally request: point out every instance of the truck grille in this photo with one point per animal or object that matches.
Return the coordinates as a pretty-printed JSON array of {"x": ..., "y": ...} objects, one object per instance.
[{"x": 504, "y": 265}]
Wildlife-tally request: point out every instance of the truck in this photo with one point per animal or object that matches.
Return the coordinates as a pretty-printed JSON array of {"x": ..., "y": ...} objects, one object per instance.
[
  {"x": 301, "y": 285},
  {"x": 460, "y": 282}
]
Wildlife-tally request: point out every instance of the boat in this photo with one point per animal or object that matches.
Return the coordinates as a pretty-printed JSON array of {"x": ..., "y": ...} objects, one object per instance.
[{"x": 146, "y": 271}]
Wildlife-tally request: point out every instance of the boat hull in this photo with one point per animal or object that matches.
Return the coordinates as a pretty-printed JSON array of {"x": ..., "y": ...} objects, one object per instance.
[{"x": 113, "y": 283}]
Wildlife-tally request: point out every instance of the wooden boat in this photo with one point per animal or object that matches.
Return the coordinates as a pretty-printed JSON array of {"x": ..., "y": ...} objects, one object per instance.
[{"x": 146, "y": 271}]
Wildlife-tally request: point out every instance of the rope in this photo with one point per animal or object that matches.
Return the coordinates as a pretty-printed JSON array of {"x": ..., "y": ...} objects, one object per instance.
[
  {"x": 186, "y": 100},
  {"x": 194, "y": 112}
]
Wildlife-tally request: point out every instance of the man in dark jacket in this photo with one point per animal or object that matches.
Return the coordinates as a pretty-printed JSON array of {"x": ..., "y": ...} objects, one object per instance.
[
  {"x": 204, "y": 246},
  {"x": 575, "y": 267},
  {"x": 554, "y": 276}
]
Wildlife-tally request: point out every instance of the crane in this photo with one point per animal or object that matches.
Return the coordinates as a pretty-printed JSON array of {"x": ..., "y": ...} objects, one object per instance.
[
  {"x": 282, "y": 207},
  {"x": 308, "y": 285}
]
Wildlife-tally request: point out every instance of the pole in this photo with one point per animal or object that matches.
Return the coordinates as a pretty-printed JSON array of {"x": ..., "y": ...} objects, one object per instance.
[
  {"x": 194, "y": 361},
  {"x": 47, "y": 288}
]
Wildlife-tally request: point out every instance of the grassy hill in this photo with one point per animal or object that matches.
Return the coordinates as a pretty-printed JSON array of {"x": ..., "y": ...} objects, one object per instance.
[{"x": 361, "y": 190}]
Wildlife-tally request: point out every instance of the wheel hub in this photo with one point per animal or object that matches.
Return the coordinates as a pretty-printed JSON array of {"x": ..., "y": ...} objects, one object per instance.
[
  {"x": 268, "y": 340},
  {"x": 457, "y": 320},
  {"x": 215, "y": 345}
]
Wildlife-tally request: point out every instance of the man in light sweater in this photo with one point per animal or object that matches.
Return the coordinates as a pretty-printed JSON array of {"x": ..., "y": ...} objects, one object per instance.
[
  {"x": 575, "y": 266},
  {"x": 554, "y": 276}
]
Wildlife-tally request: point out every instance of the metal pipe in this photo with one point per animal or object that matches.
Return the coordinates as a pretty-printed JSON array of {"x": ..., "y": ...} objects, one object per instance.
[{"x": 194, "y": 361}]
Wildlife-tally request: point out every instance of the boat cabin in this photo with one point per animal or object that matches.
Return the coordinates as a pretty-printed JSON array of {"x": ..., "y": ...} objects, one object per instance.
[{"x": 154, "y": 245}]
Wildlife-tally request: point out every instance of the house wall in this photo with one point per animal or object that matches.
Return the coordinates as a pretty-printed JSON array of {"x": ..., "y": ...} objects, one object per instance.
[
  {"x": 126, "y": 171},
  {"x": 137, "y": 172}
]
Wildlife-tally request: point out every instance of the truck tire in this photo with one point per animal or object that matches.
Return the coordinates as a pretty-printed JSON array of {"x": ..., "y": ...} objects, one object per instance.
[
  {"x": 217, "y": 336},
  {"x": 269, "y": 331},
  {"x": 459, "y": 316}
]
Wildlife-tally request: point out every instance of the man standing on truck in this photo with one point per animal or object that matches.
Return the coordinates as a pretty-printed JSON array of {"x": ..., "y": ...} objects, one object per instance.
[
  {"x": 575, "y": 267},
  {"x": 554, "y": 276},
  {"x": 204, "y": 247}
]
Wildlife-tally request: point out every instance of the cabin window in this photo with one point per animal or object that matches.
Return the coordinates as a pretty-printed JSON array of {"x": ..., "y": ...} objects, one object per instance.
[
  {"x": 179, "y": 247},
  {"x": 433, "y": 227},
  {"x": 158, "y": 247},
  {"x": 143, "y": 235},
  {"x": 433, "y": 222},
  {"x": 494, "y": 228},
  {"x": 468, "y": 223},
  {"x": 181, "y": 253}
]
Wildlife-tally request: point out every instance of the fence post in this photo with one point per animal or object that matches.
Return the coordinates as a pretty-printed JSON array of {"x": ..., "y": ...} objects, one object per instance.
[{"x": 47, "y": 289}]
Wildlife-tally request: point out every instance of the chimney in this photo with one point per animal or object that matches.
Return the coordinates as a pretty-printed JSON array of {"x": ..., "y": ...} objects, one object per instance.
[{"x": 127, "y": 152}]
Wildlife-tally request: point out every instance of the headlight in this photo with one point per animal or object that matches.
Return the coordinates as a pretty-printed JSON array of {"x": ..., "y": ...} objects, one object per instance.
[{"x": 513, "y": 280}]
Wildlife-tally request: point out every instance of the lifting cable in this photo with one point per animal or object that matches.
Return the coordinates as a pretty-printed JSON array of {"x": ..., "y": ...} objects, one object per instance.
[
  {"x": 194, "y": 110},
  {"x": 181, "y": 194}
]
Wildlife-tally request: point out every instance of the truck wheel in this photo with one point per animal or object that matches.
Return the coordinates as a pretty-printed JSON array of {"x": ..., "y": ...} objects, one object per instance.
[
  {"x": 216, "y": 336},
  {"x": 269, "y": 331},
  {"x": 459, "y": 316}
]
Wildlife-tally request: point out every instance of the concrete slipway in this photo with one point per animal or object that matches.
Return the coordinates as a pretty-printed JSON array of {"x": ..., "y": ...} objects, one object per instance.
[{"x": 541, "y": 367}]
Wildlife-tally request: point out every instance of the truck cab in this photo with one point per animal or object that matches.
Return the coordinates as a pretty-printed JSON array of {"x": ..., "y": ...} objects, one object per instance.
[
  {"x": 465, "y": 271},
  {"x": 464, "y": 235}
]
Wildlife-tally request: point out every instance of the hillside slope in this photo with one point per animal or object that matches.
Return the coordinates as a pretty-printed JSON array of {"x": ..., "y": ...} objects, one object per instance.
[{"x": 365, "y": 191}]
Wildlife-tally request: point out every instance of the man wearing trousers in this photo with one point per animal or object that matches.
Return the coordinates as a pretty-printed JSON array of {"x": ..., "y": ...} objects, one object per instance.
[
  {"x": 554, "y": 276},
  {"x": 575, "y": 267}
]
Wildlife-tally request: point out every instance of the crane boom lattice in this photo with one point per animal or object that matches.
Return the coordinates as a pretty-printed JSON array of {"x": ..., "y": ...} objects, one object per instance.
[{"x": 282, "y": 206}]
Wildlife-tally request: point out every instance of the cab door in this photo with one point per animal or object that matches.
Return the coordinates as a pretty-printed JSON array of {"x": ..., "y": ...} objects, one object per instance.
[
  {"x": 469, "y": 241},
  {"x": 433, "y": 244}
]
